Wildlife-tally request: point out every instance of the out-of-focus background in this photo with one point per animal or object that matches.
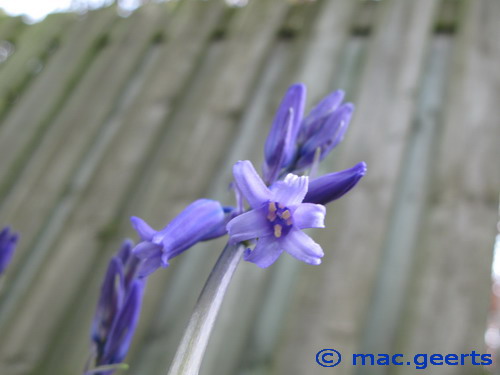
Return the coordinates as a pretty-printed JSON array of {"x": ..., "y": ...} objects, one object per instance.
[{"x": 115, "y": 112}]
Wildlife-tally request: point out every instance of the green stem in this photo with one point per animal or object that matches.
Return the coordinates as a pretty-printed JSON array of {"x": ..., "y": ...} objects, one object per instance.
[{"x": 187, "y": 360}]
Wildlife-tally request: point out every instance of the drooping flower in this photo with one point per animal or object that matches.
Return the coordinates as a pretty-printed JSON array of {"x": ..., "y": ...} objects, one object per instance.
[
  {"x": 324, "y": 189},
  {"x": 200, "y": 220},
  {"x": 276, "y": 219},
  {"x": 8, "y": 242},
  {"x": 118, "y": 308}
]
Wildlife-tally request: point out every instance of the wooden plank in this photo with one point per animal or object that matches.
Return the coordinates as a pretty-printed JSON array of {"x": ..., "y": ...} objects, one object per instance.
[
  {"x": 108, "y": 78},
  {"x": 448, "y": 300},
  {"x": 79, "y": 46},
  {"x": 32, "y": 49},
  {"x": 391, "y": 287},
  {"x": 333, "y": 298},
  {"x": 10, "y": 28},
  {"x": 44, "y": 180}
]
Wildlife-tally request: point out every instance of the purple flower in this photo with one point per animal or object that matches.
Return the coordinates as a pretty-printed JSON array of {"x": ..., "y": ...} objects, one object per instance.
[
  {"x": 280, "y": 147},
  {"x": 123, "y": 328},
  {"x": 8, "y": 242},
  {"x": 324, "y": 134},
  {"x": 329, "y": 187},
  {"x": 294, "y": 141},
  {"x": 200, "y": 220},
  {"x": 118, "y": 308},
  {"x": 276, "y": 219},
  {"x": 316, "y": 118}
]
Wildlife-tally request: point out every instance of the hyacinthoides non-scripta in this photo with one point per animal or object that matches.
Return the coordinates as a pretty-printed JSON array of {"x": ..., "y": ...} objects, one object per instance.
[{"x": 286, "y": 200}]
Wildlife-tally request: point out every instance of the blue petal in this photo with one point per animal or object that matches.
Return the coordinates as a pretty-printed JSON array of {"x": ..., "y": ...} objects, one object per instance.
[
  {"x": 149, "y": 266},
  {"x": 332, "y": 186},
  {"x": 142, "y": 228},
  {"x": 291, "y": 191},
  {"x": 251, "y": 224},
  {"x": 220, "y": 230},
  {"x": 339, "y": 125},
  {"x": 110, "y": 303},
  {"x": 125, "y": 251},
  {"x": 295, "y": 99},
  {"x": 320, "y": 113},
  {"x": 146, "y": 249},
  {"x": 309, "y": 215},
  {"x": 8, "y": 242},
  {"x": 329, "y": 135},
  {"x": 124, "y": 326},
  {"x": 281, "y": 150},
  {"x": 265, "y": 253},
  {"x": 302, "y": 247},
  {"x": 194, "y": 223},
  {"x": 250, "y": 184}
]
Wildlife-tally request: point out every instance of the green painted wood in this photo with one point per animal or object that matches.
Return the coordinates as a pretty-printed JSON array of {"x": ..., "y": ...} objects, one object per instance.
[
  {"x": 79, "y": 46},
  {"x": 391, "y": 288},
  {"x": 107, "y": 78},
  {"x": 10, "y": 27},
  {"x": 451, "y": 286},
  {"x": 32, "y": 51}
]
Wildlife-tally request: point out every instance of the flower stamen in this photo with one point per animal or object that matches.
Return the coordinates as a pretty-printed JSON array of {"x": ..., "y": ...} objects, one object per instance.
[
  {"x": 277, "y": 230},
  {"x": 286, "y": 215}
]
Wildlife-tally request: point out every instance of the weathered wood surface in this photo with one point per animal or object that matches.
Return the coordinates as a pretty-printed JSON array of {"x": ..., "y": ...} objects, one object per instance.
[{"x": 142, "y": 115}]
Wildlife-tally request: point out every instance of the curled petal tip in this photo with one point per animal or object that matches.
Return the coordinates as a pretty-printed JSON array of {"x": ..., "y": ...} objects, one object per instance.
[{"x": 142, "y": 228}]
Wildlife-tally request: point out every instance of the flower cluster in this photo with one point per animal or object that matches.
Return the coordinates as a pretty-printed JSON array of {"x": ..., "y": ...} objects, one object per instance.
[
  {"x": 8, "y": 242},
  {"x": 281, "y": 205},
  {"x": 296, "y": 142},
  {"x": 292, "y": 203},
  {"x": 118, "y": 308}
]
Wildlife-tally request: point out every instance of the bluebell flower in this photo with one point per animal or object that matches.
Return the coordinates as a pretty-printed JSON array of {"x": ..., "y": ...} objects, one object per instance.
[
  {"x": 324, "y": 134},
  {"x": 220, "y": 229},
  {"x": 329, "y": 187},
  {"x": 280, "y": 146},
  {"x": 199, "y": 221},
  {"x": 8, "y": 242},
  {"x": 317, "y": 116},
  {"x": 118, "y": 308},
  {"x": 276, "y": 218},
  {"x": 123, "y": 328}
]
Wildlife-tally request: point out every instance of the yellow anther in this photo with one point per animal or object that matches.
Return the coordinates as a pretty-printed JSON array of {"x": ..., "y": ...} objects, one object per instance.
[
  {"x": 277, "y": 230},
  {"x": 289, "y": 222},
  {"x": 272, "y": 207},
  {"x": 280, "y": 205},
  {"x": 286, "y": 215},
  {"x": 271, "y": 216}
]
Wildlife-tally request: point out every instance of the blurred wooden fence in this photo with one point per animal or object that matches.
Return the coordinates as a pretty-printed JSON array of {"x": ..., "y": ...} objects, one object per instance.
[{"x": 103, "y": 117}]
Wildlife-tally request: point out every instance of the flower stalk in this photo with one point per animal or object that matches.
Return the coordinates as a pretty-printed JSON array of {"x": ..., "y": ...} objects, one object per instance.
[{"x": 187, "y": 360}]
